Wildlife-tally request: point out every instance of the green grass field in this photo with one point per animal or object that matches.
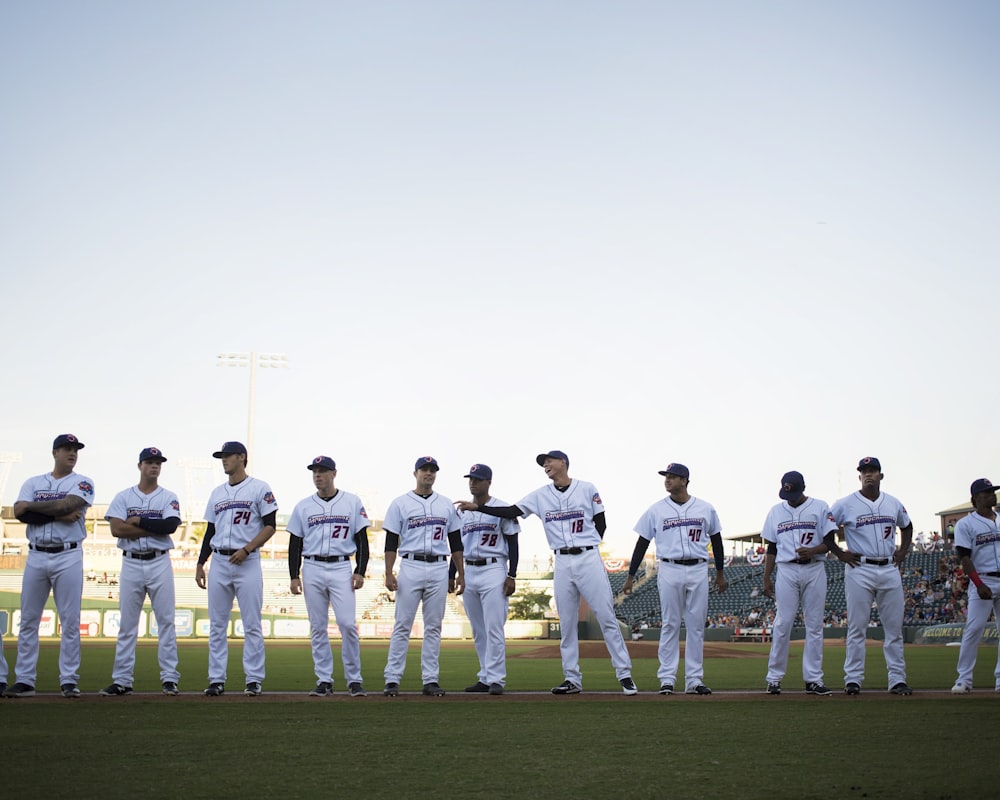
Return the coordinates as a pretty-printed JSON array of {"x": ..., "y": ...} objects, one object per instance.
[{"x": 592, "y": 745}]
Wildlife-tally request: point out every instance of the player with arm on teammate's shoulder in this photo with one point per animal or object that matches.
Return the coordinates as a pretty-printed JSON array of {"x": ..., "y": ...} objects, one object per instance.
[
  {"x": 682, "y": 527},
  {"x": 241, "y": 516},
  {"x": 572, "y": 516},
  {"x": 326, "y": 529},
  {"x": 53, "y": 507},
  {"x": 491, "y": 555},
  {"x": 143, "y": 517},
  {"x": 423, "y": 527},
  {"x": 868, "y": 520}
]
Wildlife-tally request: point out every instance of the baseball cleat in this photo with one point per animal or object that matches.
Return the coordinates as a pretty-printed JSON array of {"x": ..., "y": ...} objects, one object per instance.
[
  {"x": 774, "y": 687},
  {"x": 391, "y": 690},
  {"x": 961, "y": 688},
  {"x": 628, "y": 686},
  {"x": 478, "y": 688},
  {"x": 253, "y": 689},
  {"x": 699, "y": 689},
  {"x": 356, "y": 689},
  {"x": 70, "y": 690},
  {"x": 215, "y": 690},
  {"x": 433, "y": 690},
  {"x": 817, "y": 689},
  {"x": 323, "y": 688},
  {"x": 667, "y": 688},
  {"x": 21, "y": 690},
  {"x": 115, "y": 690},
  {"x": 169, "y": 687},
  {"x": 566, "y": 687},
  {"x": 496, "y": 688},
  {"x": 3, "y": 689},
  {"x": 901, "y": 688},
  {"x": 852, "y": 688}
]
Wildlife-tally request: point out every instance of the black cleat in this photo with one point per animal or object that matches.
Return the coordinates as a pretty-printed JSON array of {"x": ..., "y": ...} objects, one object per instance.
[
  {"x": 215, "y": 690},
  {"x": 699, "y": 689},
  {"x": 169, "y": 687},
  {"x": 774, "y": 687},
  {"x": 115, "y": 690},
  {"x": 478, "y": 688},
  {"x": 496, "y": 688},
  {"x": 433, "y": 690},
  {"x": 323, "y": 689},
  {"x": 70, "y": 690},
  {"x": 21, "y": 690},
  {"x": 901, "y": 688},
  {"x": 667, "y": 688},
  {"x": 356, "y": 689},
  {"x": 391, "y": 690},
  {"x": 852, "y": 688},
  {"x": 818, "y": 689},
  {"x": 566, "y": 687}
]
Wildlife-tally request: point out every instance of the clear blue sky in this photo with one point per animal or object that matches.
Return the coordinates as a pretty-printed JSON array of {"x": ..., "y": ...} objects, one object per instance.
[{"x": 749, "y": 237}]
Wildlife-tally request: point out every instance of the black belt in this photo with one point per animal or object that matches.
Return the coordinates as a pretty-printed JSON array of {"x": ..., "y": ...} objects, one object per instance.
[
  {"x": 575, "y": 551},
  {"x": 992, "y": 574},
  {"x": 225, "y": 552},
  {"x": 802, "y": 561},
  {"x": 148, "y": 555},
  {"x": 424, "y": 557},
  {"x": 482, "y": 562},
  {"x": 327, "y": 559},
  {"x": 58, "y": 548},
  {"x": 684, "y": 562},
  {"x": 876, "y": 562}
]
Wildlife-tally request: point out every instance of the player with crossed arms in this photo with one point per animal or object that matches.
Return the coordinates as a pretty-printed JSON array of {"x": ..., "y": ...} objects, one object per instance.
[
  {"x": 572, "y": 515},
  {"x": 868, "y": 519},
  {"x": 798, "y": 533},
  {"x": 682, "y": 527},
  {"x": 143, "y": 517},
  {"x": 241, "y": 516},
  {"x": 977, "y": 542},
  {"x": 491, "y": 555},
  {"x": 329, "y": 527}
]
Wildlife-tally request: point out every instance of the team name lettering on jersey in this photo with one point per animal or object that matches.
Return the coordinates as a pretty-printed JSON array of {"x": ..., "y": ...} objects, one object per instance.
[
  {"x": 670, "y": 524},
  {"x": 790, "y": 527},
  {"x": 323, "y": 519},
  {"x": 987, "y": 538},
  {"x": 41, "y": 497},
  {"x": 478, "y": 527},
  {"x": 228, "y": 505},
  {"x": 423, "y": 522},
  {"x": 563, "y": 516},
  {"x": 145, "y": 513},
  {"x": 875, "y": 519}
]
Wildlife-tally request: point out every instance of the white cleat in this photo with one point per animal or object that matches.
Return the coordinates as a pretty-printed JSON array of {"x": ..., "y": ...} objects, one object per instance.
[{"x": 960, "y": 688}]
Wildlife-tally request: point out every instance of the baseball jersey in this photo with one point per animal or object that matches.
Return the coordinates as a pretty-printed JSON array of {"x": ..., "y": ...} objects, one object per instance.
[
  {"x": 982, "y": 536},
  {"x": 238, "y": 512},
  {"x": 870, "y": 525},
  {"x": 483, "y": 535},
  {"x": 328, "y": 527},
  {"x": 423, "y": 524},
  {"x": 161, "y": 504},
  {"x": 567, "y": 517},
  {"x": 43, "y": 488},
  {"x": 802, "y": 526},
  {"x": 680, "y": 531}
]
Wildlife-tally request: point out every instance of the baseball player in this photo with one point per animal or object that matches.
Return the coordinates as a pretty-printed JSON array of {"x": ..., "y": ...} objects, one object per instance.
[
  {"x": 682, "y": 527},
  {"x": 868, "y": 519},
  {"x": 572, "y": 515},
  {"x": 797, "y": 532},
  {"x": 53, "y": 506},
  {"x": 241, "y": 516},
  {"x": 329, "y": 527},
  {"x": 423, "y": 527},
  {"x": 143, "y": 517},
  {"x": 491, "y": 555},
  {"x": 977, "y": 542}
]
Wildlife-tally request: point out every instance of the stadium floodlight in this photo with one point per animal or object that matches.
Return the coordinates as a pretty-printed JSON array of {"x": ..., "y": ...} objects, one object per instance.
[{"x": 253, "y": 360}]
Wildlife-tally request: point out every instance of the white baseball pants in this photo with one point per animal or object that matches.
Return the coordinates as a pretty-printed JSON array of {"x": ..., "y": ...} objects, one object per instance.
[
  {"x": 864, "y": 584},
  {"x": 486, "y": 606},
  {"x": 422, "y": 584},
  {"x": 977, "y": 617},
  {"x": 683, "y": 593},
  {"x": 325, "y": 584},
  {"x": 139, "y": 578},
  {"x": 795, "y": 584},
  {"x": 245, "y": 583}
]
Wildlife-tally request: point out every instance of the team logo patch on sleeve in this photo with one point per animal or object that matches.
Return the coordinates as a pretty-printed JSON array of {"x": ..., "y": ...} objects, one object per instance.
[
  {"x": 175, "y": 505},
  {"x": 269, "y": 498},
  {"x": 364, "y": 513},
  {"x": 830, "y": 517},
  {"x": 597, "y": 499},
  {"x": 85, "y": 487}
]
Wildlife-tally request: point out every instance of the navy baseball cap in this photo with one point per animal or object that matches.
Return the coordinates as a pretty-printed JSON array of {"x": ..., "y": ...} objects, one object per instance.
[
  {"x": 152, "y": 454},
  {"x": 67, "y": 440},
  {"x": 323, "y": 461},
  {"x": 230, "y": 448},
  {"x": 480, "y": 471},
  {"x": 869, "y": 462},
  {"x": 982, "y": 485},
  {"x": 540, "y": 458},
  {"x": 793, "y": 486},
  {"x": 676, "y": 469},
  {"x": 426, "y": 461}
]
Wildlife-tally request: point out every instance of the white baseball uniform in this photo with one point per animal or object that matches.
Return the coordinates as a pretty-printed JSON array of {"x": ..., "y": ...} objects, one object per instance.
[
  {"x": 327, "y": 529},
  {"x": 870, "y": 530},
  {"x": 981, "y": 535},
  {"x": 798, "y": 581},
  {"x": 682, "y": 533},
  {"x": 55, "y": 563},
  {"x": 485, "y": 552},
  {"x": 423, "y": 525},
  {"x": 237, "y": 513},
  {"x": 568, "y": 519},
  {"x": 146, "y": 569}
]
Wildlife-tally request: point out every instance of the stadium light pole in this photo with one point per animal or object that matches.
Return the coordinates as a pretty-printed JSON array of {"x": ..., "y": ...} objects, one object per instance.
[{"x": 252, "y": 360}]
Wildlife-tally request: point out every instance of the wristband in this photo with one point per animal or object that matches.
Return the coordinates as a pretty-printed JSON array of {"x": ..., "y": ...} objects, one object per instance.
[{"x": 974, "y": 577}]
